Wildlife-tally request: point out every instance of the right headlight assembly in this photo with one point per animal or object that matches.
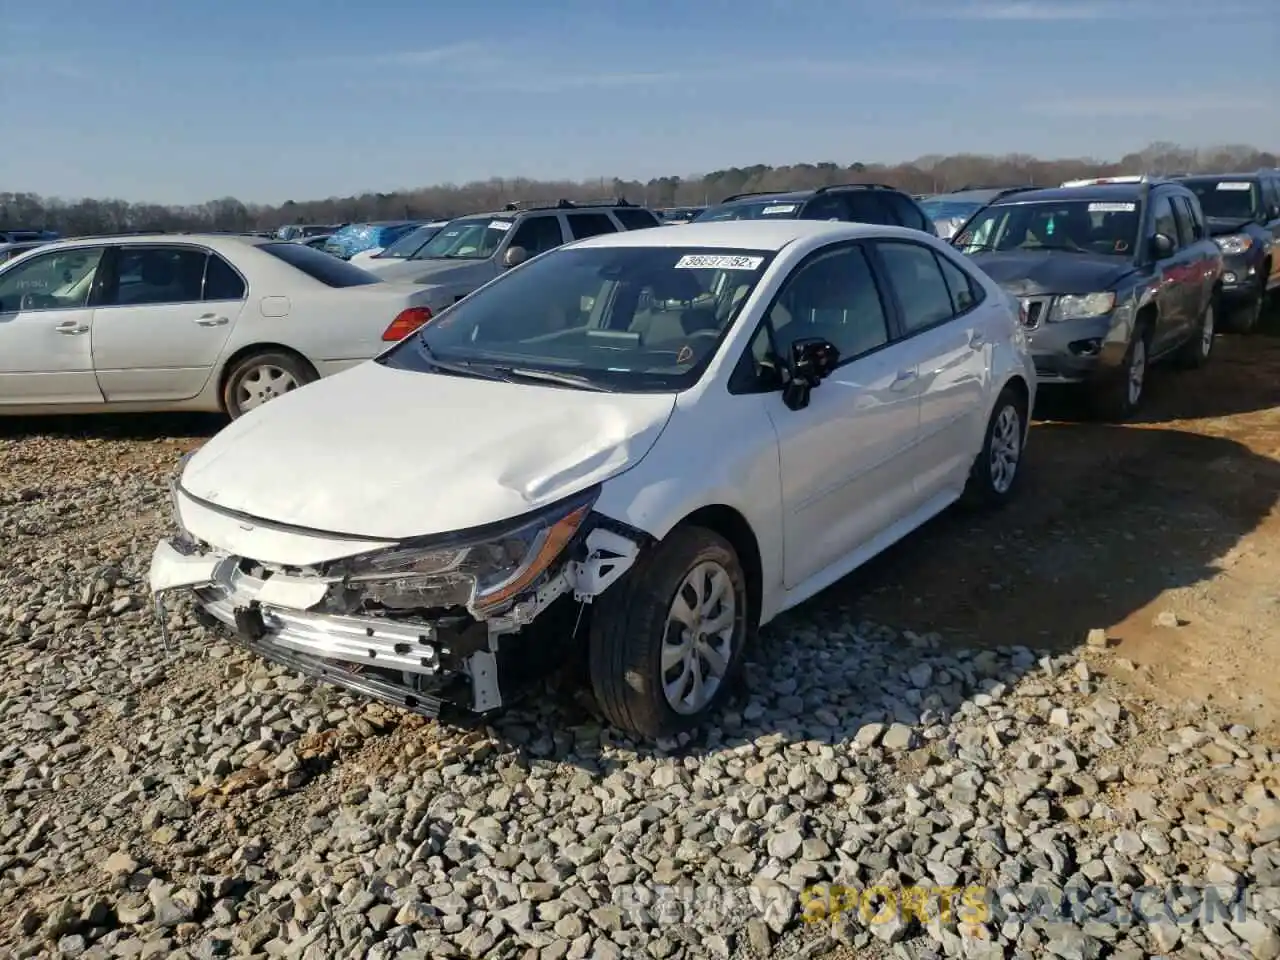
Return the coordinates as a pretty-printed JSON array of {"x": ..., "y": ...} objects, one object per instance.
[{"x": 485, "y": 570}]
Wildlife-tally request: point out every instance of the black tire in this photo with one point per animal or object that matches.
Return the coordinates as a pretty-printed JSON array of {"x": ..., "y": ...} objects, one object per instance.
[
  {"x": 989, "y": 486},
  {"x": 629, "y": 628},
  {"x": 239, "y": 384},
  {"x": 1111, "y": 398},
  {"x": 1195, "y": 352},
  {"x": 1245, "y": 317}
]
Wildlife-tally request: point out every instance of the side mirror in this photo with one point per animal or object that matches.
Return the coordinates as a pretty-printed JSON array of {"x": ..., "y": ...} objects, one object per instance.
[
  {"x": 514, "y": 256},
  {"x": 1161, "y": 246},
  {"x": 812, "y": 360}
]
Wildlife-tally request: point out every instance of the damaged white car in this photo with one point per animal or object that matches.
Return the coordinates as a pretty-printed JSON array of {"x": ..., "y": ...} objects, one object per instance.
[{"x": 634, "y": 449}]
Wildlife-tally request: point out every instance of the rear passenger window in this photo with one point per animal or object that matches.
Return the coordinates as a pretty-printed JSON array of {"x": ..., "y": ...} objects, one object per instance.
[
  {"x": 906, "y": 211},
  {"x": 636, "y": 219},
  {"x": 538, "y": 235},
  {"x": 583, "y": 225},
  {"x": 917, "y": 279},
  {"x": 149, "y": 276},
  {"x": 965, "y": 291},
  {"x": 864, "y": 206},
  {"x": 220, "y": 281}
]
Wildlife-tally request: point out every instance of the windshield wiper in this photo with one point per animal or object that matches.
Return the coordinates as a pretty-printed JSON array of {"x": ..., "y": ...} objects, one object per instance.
[
  {"x": 552, "y": 376},
  {"x": 461, "y": 369}
]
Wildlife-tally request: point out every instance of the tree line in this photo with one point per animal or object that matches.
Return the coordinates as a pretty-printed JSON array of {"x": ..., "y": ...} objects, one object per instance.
[{"x": 929, "y": 174}]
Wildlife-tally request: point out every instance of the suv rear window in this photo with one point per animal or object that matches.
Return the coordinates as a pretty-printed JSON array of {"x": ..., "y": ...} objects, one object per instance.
[
  {"x": 318, "y": 265},
  {"x": 636, "y": 219}
]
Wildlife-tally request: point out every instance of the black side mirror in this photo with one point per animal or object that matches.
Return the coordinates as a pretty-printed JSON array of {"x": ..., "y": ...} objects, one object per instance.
[
  {"x": 514, "y": 256},
  {"x": 812, "y": 360},
  {"x": 1161, "y": 246}
]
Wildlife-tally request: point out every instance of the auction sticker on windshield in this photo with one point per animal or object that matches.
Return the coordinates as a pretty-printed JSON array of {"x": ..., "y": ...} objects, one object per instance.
[
  {"x": 702, "y": 261},
  {"x": 1235, "y": 185},
  {"x": 777, "y": 208},
  {"x": 499, "y": 224},
  {"x": 1112, "y": 207}
]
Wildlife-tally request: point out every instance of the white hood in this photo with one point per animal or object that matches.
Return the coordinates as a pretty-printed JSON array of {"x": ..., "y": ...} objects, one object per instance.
[{"x": 389, "y": 454}]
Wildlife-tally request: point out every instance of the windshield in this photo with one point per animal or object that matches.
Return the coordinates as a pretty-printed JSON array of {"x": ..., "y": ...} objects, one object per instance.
[
  {"x": 637, "y": 319},
  {"x": 1081, "y": 226},
  {"x": 471, "y": 238},
  {"x": 1228, "y": 199},
  {"x": 409, "y": 244},
  {"x": 766, "y": 208},
  {"x": 937, "y": 210}
]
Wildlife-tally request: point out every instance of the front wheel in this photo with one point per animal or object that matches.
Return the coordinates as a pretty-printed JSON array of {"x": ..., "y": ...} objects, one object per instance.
[
  {"x": 1118, "y": 396},
  {"x": 995, "y": 470},
  {"x": 666, "y": 642},
  {"x": 260, "y": 377}
]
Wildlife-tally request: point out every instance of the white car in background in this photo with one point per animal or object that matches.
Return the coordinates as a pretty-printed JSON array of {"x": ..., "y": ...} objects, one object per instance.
[
  {"x": 635, "y": 448},
  {"x": 190, "y": 322}
]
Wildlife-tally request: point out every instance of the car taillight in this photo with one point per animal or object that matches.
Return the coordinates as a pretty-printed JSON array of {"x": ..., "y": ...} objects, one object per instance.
[{"x": 406, "y": 322}]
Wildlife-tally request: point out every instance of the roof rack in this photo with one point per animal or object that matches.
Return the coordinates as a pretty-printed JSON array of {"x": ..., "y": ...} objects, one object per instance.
[
  {"x": 1100, "y": 181},
  {"x": 563, "y": 204},
  {"x": 856, "y": 186}
]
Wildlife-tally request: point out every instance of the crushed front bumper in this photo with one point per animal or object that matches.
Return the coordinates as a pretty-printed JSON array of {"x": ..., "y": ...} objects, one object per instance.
[{"x": 414, "y": 665}]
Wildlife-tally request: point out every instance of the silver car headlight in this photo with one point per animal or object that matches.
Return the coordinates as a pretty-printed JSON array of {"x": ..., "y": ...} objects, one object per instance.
[
  {"x": 485, "y": 569},
  {"x": 1082, "y": 306},
  {"x": 1233, "y": 244}
]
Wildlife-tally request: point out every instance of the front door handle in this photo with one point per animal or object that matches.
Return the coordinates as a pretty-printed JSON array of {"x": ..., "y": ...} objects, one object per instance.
[
  {"x": 210, "y": 320},
  {"x": 903, "y": 378},
  {"x": 71, "y": 328},
  {"x": 976, "y": 339}
]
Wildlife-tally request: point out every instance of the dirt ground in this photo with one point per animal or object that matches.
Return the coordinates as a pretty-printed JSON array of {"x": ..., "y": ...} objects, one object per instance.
[
  {"x": 1117, "y": 527},
  {"x": 1176, "y": 515}
]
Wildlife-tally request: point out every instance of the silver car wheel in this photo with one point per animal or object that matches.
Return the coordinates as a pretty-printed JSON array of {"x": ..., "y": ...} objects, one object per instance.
[
  {"x": 697, "y": 644},
  {"x": 1137, "y": 371},
  {"x": 262, "y": 383},
  {"x": 1006, "y": 448}
]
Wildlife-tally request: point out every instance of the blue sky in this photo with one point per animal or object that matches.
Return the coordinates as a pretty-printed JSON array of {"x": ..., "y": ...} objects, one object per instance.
[{"x": 179, "y": 101}]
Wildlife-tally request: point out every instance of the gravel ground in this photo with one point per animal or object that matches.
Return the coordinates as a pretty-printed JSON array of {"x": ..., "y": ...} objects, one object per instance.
[{"x": 199, "y": 803}]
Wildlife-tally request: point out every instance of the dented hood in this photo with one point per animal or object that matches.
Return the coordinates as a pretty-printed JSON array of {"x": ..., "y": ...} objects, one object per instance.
[{"x": 388, "y": 454}]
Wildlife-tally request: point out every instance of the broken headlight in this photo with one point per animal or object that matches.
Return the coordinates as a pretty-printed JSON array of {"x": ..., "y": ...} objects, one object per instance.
[{"x": 484, "y": 569}]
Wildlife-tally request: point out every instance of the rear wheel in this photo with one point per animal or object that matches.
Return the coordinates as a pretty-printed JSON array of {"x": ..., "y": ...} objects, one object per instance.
[
  {"x": 1195, "y": 352},
  {"x": 995, "y": 471},
  {"x": 260, "y": 377},
  {"x": 666, "y": 642}
]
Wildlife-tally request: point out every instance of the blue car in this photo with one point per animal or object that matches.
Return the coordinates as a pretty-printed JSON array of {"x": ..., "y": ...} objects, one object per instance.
[{"x": 355, "y": 237}]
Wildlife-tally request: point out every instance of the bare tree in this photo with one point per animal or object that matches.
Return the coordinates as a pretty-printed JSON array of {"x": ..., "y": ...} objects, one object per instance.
[{"x": 928, "y": 174}]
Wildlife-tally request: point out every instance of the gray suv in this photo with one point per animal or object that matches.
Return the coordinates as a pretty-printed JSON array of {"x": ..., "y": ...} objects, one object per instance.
[
  {"x": 472, "y": 250},
  {"x": 1112, "y": 275}
]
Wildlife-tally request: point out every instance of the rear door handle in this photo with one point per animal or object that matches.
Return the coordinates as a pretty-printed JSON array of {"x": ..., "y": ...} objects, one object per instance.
[
  {"x": 976, "y": 339},
  {"x": 210, "y": 320},
  {"x": 903, "y": 378},
  {"x": 71, "y": 328}
]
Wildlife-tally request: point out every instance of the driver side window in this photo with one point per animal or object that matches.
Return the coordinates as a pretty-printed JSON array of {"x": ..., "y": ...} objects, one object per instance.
[
  {"x": 833, "y": 296},
  {"x": 1163, "y": 220},
  {"x": 57, "y": 280}
]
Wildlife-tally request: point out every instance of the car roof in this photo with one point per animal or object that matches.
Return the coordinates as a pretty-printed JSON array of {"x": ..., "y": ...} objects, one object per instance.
[
  {"x": 1225, "y": 176},
  {"x": 1099, "y": 191},
  {"x": 746, "y": 234},
  {"x": 218, "y": 241},
  {"x": 796, "y": 195}
]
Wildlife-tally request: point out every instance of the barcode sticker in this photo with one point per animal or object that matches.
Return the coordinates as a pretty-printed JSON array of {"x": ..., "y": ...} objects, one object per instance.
[{"x": 702, "y": 261}]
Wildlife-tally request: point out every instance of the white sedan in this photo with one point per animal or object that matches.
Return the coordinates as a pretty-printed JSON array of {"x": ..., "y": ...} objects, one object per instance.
[
  {"x": 653, "y": 443},
  {"x": 186, "y": 322}
]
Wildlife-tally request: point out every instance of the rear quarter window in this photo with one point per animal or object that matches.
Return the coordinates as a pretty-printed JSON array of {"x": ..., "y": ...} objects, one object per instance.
[{"x": 318, "y": 265}]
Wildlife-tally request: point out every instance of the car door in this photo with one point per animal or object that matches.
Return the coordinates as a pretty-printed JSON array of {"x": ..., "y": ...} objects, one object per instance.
[
  {"x": 843, "y": 457},
  {"x": 947, "y": 333},
  {"x": 583, "y": 225},
  {"x": 156, "y": 337},
  {"x": 1173, "y": 300},
  {"x": 1202, "y": 255},
  {"x": 45, "y": 323}
]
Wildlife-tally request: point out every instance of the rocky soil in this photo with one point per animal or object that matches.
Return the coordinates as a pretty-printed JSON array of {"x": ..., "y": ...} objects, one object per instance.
[{"x": 1050, "y": 733}]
